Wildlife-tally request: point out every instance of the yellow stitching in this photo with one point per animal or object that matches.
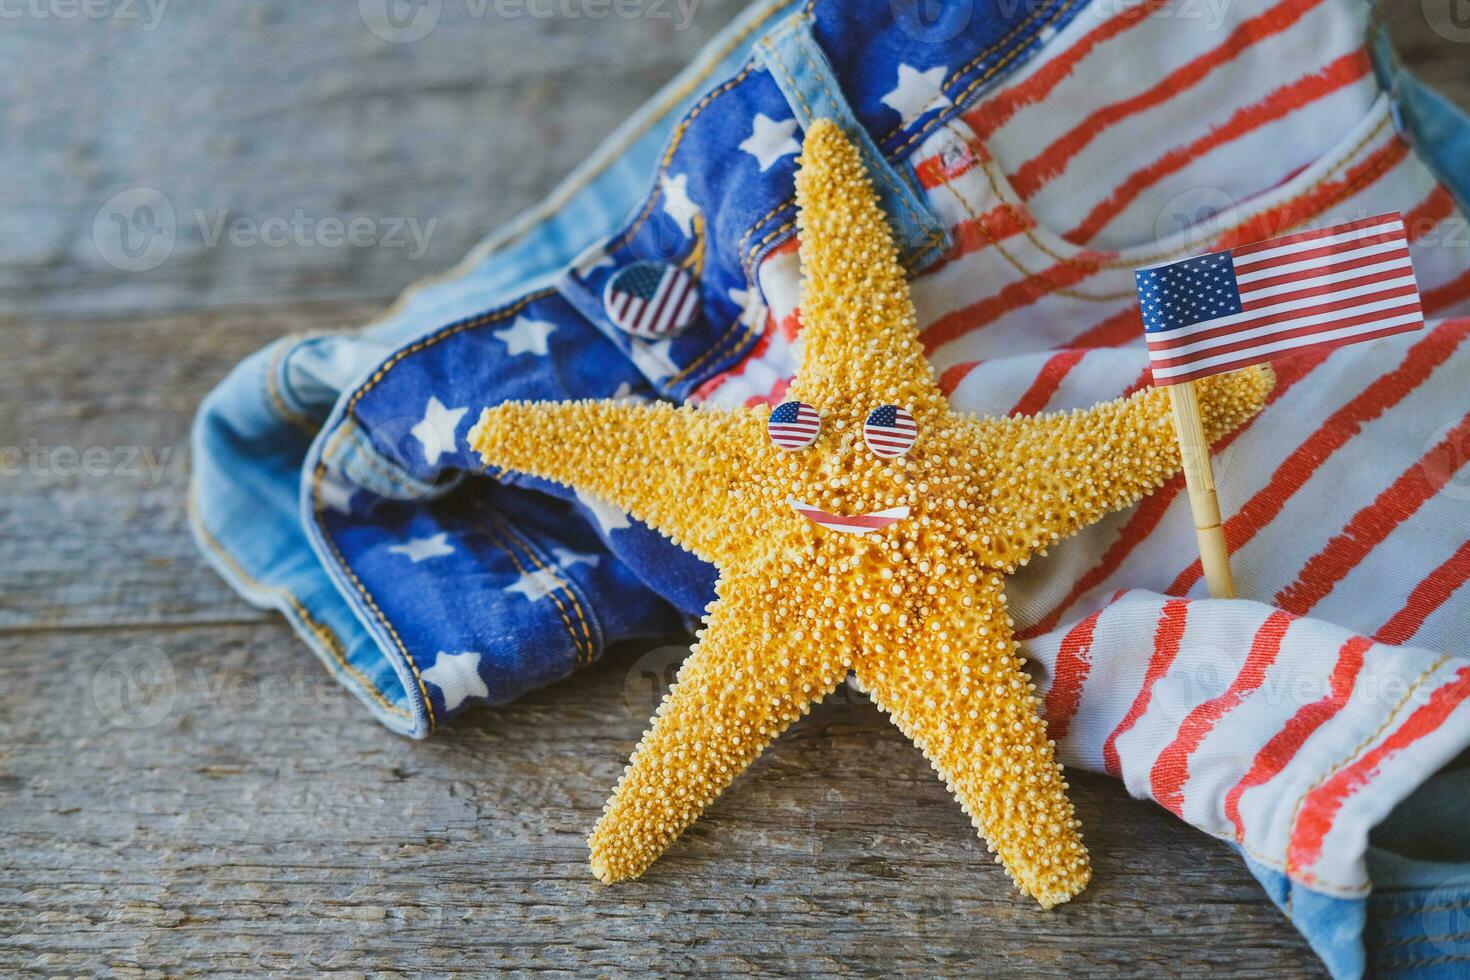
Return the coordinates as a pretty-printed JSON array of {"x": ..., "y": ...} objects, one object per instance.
[
  {"x": 322, "y": 632},
  {"x": 1355, "y": 754},
  {"x": 297, "y": 419},
  {"x": 716, "y": 347},
  {"x": 563, "y": 582},
  {"x": 981, "y": 57},
  {"x": 493, "y": 535}
]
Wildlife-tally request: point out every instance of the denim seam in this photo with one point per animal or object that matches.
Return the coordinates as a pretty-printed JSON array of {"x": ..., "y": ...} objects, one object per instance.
[
  {"x": 490, "y": 530},
  {"x": 1354, "y": 756},
  {"x": 329, "y": 639},
  {"x": 586, "y": 617},
  {"x": 1006, "y": 59},
  {"x": 272, "y": 384}
]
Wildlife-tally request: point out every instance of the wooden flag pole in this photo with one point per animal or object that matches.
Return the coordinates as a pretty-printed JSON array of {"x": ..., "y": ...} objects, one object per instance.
[{"x": 1194, "y": 448}]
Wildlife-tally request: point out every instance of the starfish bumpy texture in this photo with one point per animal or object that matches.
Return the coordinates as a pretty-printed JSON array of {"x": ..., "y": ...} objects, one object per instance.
[{"x": 834, "y": 558}]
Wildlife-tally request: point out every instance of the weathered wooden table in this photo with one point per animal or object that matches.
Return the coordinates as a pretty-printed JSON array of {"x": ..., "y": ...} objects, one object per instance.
[{"x": 240, "y": 812}]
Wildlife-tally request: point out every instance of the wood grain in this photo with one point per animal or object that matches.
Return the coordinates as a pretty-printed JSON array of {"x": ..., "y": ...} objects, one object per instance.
[{"x": 261, "y": 820}]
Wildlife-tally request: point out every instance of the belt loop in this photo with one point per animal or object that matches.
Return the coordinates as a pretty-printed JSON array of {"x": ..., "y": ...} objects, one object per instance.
[{"x": 802, "y": 72}]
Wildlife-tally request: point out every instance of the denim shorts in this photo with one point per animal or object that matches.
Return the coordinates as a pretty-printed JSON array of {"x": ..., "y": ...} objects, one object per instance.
[{"x": 332, "y": 480}]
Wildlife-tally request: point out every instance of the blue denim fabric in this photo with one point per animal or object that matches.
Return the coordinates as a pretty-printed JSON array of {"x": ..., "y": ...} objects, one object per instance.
[{"x": 308, "y": 471}]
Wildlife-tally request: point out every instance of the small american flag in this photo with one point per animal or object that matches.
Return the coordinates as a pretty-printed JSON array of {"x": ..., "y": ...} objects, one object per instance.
[
  {"x": 890, "y": 431},
  {"x": 1228, "y": 310},
  {"x": 793, "y": 426},
  {"x": 651, "y": 299}
]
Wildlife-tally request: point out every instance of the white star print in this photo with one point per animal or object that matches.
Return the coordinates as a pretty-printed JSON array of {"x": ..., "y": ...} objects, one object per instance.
[
  {"x": 336, "y": 493},
  {"x": 457, "y": 676},
  {"x": 566, "y": 558},
  {"x": 526, "y": 336},
  {"x": 436, "y": 432},
  {"x": 418, "y": 549},
  {"x": 770, "y": 140},
  {"x": 752, "y": 307},
  {"x": 536, "y": 585},
  {"x": 917, "y": 92},
  {"x": 653, "y": 359},
  {"x": 609, "y": 518},
  {"x": 677, "y": 203},
  {"x": 625, "y": 395}
]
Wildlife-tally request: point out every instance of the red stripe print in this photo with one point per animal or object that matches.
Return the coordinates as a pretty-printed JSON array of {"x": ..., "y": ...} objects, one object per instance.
[
  {"x": 945, "y": 167},
  {"x": 1053, "y": 161},
  {"x": 985, "y": 230},
  {"x": 1284, "y": 745},
  {"x": 1313, "y": 203},
  {"x": 1428, "y": 596},
  {"x": 1167, "y": 638},
  {"x": 1341, "y": 426},
  {"x": 1150, "y": 511},
  {"x": 1371, "y": 525},
  {"x": 1016, "y": 296},
  {"x": 1074, "y": 663},
  {"x": 1451, "y": 294},
  {"x": 1279, "y": 104},
  {"x": 1439, "y": 205},
  {"x": 1171, "y": 769},
  {"x": 1117, "y": 330},
  {"x": 989, "y": 116},
  {"x": 1048, "y": 380},
  {"x": 950, "y": 377},
  {"x": 1319, "y": 810}
]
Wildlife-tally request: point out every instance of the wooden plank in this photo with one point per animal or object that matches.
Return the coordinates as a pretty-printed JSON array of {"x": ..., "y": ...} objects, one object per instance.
[{"x": 263, "y": 822}]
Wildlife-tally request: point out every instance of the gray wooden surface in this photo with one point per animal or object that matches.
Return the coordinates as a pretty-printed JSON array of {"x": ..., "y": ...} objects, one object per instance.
[{"x": 183, "y": 789}]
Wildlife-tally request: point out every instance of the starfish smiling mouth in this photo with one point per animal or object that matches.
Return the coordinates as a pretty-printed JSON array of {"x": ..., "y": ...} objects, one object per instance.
[{"x": 860, "y": 524}]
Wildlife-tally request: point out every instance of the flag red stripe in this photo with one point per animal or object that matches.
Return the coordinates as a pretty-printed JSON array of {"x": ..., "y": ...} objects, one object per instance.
[
  {"x": 1253, "y": 344},
  {"x": 1171, "y": 769},
  {"x": 1326, "y": 346},
  {"x": 1340, "y": 427},
  {"x": 1048, "y": 380},
  {"x": 1053, "y": 161},
  {"x": 1320, "y": 809},
  {"x": 1167, "y": 638},
  {"x": 1324, "y": 269},
  {"x": 1279, "y": 104},
  {"x": 1284, "y": 745},
  {"x": 989, "y": 116},
  {"x": 1371, "y": 525},
  {"x": 1431, "y": 593},
  {"x": 1074, "y": 661}
]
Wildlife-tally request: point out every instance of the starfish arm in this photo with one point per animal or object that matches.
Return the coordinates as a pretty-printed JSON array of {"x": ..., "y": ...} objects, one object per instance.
[
  {"x": 1082, "y": 465},
  {"x": 676, "y": 468},
  {"x": 958, "y": 692},
  {"x": 859, "y": 331},
  {"x": 752, "y": 673}
]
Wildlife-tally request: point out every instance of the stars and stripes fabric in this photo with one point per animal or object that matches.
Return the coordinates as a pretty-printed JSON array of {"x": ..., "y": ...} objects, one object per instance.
[
  {"x": 1298, "y": 294},
  {"x": 793, "y": 426},
  {"x": 652, "y": 299},
  {"x": 890, "y": 431}
]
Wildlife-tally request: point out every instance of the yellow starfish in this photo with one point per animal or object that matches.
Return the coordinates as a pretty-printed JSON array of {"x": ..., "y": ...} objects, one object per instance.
[{"x": 912, "y": 601}]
